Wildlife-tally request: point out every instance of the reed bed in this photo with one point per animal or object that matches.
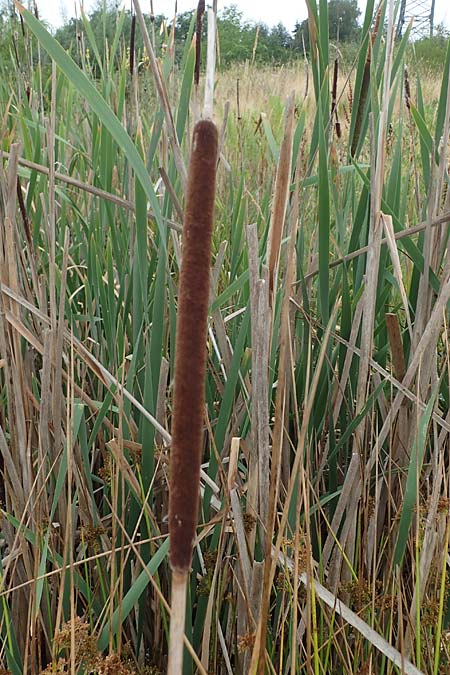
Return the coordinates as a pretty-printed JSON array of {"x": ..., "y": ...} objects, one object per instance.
[{"x": 321, "y": 539}]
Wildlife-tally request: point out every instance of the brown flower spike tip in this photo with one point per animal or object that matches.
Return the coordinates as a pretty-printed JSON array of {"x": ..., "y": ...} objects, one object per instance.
[{"x": 190, "y": 355}]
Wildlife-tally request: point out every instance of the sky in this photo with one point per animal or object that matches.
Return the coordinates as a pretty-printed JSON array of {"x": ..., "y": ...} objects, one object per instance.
[{"x": 268, "y": 11}]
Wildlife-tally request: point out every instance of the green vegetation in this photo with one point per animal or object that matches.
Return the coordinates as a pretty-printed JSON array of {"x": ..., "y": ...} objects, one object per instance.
[
  {"x": 239, "y": 40},
  {"x": 343, "y": 23},
  {"x": 430, "y": 52},
  {"x": 324, "y": 521}
]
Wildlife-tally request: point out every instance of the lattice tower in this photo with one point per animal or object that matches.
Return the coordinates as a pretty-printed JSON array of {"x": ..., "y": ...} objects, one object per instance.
[{"x": 422, "y": 11}]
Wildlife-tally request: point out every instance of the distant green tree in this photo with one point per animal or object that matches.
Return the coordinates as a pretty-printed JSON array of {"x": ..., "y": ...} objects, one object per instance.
[
  {"x": 14, "y": 38},
  {"x": 68, "y": 34},
  {"x": 343, "y": 18},
  {"x": 104, "y": 23},
  {"x": 7, "y": 30},
  {"x": 236, "y": 36},
  {"x": 301, "y": 36},
  {"x": 182, "y": 26},
  {"x": 261, "y": 43},
  {"x": 239, "y": 40},
  {"x": 280, "y": 43}
]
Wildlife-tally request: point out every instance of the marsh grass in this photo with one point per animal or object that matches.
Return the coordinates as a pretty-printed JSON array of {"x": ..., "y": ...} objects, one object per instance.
[{"x": 322, "y": 543}]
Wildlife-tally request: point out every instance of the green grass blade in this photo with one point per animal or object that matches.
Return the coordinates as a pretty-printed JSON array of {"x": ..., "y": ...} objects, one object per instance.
[{"x": 98, "y": 105}]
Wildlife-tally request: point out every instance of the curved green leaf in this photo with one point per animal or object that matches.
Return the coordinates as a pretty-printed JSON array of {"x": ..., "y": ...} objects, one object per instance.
[{"x": 98, "y": 104}]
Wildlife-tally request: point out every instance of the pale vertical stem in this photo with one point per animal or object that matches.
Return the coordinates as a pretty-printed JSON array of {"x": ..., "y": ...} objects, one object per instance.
[
  {"x": 262, "y": 402},
  {"x": 161, "y": 398},
  {"x": 255, "y": 604},
  {"x": 373, "y": 254},
  {"x": 253, "y": 266},
  {"x": 177, "y": 617},
  {"x": 210, "y": 66}
]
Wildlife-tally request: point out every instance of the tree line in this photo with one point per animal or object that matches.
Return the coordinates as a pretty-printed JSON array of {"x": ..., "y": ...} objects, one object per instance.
[{"x": 239, "y": 39}]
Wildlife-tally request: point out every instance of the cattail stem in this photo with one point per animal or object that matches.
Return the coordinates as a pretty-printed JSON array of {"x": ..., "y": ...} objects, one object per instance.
[
  {"x": 177, "y": 618},
  {"x": 189, "y": 376}
]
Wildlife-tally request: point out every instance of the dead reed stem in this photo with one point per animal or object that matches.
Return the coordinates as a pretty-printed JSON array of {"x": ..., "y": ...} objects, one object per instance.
[{"x": 280, "y": 199}]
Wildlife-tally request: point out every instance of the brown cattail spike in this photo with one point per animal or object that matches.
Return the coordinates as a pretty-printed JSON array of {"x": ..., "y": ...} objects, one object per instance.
[
  {"x": 190, "y": 356},
  {"x": 376, "y": 26},
  {"x": 198, "y": 40},
  {"x": 23, "y": 211},
  {"x": 334, "y": 111},
  {"x": 132, "y": 43},
  {"x": 334, "y": 85},
  {"x": 350, "y": 95},
  {"x": 407, "y": 91},
  {"x": 365, "y": 85}
]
